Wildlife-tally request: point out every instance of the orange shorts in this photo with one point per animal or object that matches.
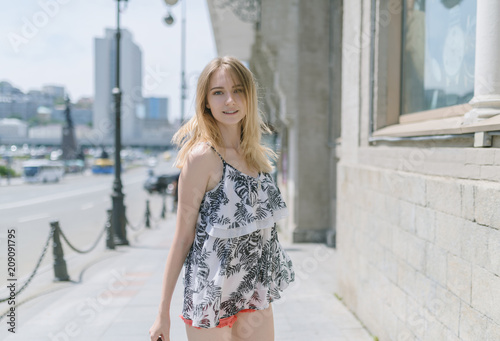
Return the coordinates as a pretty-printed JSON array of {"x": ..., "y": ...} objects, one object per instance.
[{"x": 227, "y": 321}]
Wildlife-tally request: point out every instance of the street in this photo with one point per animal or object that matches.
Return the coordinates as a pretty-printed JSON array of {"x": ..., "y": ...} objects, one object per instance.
[{"x": 79, "y": 202}]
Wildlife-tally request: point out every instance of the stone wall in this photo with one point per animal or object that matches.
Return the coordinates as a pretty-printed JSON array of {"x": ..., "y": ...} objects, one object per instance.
[
  {"x": 420, "y": 254},
  {"x": 418, "y": 222}
]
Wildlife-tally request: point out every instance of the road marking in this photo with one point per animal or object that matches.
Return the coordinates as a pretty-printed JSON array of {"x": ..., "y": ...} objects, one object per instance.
[
  {"x": 33, "y": 217},
  {"x": 56, "y": 196},
  {"x": 87, "y": 206},
  {"x": 62, "y": 195}
]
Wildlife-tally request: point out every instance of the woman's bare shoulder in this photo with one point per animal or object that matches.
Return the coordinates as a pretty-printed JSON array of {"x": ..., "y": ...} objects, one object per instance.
[{"x": 202, "y": 156}]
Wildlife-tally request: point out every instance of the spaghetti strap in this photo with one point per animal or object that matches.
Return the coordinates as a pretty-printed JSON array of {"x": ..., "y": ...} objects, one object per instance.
[{"x": 223, "y": 161}]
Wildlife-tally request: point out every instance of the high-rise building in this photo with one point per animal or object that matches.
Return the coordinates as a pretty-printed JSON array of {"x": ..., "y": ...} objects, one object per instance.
[
  {"x": 156, "y": 108},
  {"x": 130, "y": 85}
]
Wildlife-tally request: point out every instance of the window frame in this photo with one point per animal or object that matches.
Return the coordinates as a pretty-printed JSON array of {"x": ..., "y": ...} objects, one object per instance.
[{"x": 386, "y": 118}]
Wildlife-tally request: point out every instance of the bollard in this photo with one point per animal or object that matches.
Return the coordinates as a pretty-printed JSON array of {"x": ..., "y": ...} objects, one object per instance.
[
  {"x": 110, "y": 242},
  {"x": 148, "y": 215},
  {"x": 60, "y": 271},
  {"x": 164, "y": 207},
  {"x": 118, "y": 221}
]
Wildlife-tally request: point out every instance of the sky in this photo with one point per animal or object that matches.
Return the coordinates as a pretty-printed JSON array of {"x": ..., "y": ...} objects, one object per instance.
[{"x": 51, "y": 42}]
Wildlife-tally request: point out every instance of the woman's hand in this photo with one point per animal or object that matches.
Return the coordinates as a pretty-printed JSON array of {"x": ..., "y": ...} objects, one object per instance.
[{"x": 160, "y": 330}]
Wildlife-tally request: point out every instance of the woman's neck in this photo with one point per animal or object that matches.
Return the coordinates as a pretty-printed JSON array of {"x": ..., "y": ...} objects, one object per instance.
[{"x": 230, "y": 136}]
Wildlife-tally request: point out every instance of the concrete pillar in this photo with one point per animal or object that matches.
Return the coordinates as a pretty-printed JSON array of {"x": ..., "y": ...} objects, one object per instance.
[
  {"x": 309, "y": 134},
  {"x": 486, "y": 100}
]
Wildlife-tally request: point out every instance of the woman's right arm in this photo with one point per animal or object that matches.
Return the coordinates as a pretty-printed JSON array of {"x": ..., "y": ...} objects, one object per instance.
[{"x": 192, "y": 184}]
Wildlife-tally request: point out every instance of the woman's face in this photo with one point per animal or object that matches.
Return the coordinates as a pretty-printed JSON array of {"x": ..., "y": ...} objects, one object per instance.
[{"x": 225, "y": 98}]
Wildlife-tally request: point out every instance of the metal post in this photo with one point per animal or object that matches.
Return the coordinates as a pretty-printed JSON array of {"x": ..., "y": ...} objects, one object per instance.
[
  {"x": 118, "y": 219},
  {"x": 148, "y": 215},
  {"x": 164, "y": 206},
  {"x": 110, "y": 242},
  {"x": 183, "y": 60},
  {"x": 60, "y": 270}
]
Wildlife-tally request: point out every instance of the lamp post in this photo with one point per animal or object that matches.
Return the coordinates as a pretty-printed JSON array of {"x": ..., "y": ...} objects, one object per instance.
[
  {"x": 169, "y": 20},
  {"x": 118, "y": 217}
]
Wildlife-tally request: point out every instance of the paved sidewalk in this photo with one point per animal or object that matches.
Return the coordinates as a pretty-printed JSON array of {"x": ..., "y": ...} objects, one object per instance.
[{"x": 119, "y": 294}]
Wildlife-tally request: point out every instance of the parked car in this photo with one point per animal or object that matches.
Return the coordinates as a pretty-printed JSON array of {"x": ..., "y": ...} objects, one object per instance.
[{"x": 160, "y": 183}]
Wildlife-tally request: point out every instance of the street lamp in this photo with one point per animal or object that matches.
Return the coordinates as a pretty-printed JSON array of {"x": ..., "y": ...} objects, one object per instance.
[
  {"x": 118, "y": 217},
  {"x": 169, "y": 20}
]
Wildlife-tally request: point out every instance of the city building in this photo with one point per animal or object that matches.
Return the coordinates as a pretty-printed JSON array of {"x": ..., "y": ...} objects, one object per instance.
[
  {"x": 55, "y": 91},
  {"x": 156, "y": 108},
  {"x": 388, "y": 113},
  {"x": 12, "y": 128},
  {"x": 130, "y": 84},
  {"x": 49, "y": 132},
  {"x": 78, "y": 115},
  {"x": 16, "y": 104}
]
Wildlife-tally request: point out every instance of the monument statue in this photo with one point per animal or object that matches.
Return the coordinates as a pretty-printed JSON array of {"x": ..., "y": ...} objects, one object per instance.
[{"x": 69, "y": 147}]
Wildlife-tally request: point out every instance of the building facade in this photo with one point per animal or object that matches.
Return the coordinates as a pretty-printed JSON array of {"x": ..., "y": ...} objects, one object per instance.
[
  {"x": 156, "y": 108},
  {"x": 130, "y": 85},
  {"x": 418, "y": 177},
  {"x": 16, "y": 104},
  {"x": 388, "y": 116}
]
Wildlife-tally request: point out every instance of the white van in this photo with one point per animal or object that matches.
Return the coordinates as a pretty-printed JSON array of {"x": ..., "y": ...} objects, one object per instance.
[{"x": 42, "y": 171}]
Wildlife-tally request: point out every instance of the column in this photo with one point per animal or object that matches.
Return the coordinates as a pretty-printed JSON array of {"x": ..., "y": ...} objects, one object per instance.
[{"x": 486, "y": 100}]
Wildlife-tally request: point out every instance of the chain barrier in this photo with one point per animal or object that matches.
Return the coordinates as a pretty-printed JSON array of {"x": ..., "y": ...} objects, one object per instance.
[
  {"x": 156, "y": 221},
  {"x": 44, "y": 251},
  {"x": 85, "y": 251},
  {"x": 137, "y": 227}
]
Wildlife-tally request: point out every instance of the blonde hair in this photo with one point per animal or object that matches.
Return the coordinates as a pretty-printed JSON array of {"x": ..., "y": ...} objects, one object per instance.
[{"x": 202, "y": 127}]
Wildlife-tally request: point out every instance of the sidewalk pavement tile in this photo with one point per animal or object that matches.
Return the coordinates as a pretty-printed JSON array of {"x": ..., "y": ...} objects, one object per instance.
[{"x": 118, "y": 299}]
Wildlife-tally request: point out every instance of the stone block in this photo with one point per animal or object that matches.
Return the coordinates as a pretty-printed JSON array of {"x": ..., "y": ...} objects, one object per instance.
[
  {"x": 400, "y": 244},
  {"x": 404, "y": 332},
  {"x": 391, "y": 209},
  {"x": 436, "y": 264},
  {"x": 474, "y": 243},
  {"x": 492, "y": 331},
  {"x": 407, "y": 216},
  {"x": 416, "y": 318},
  {"x": 406, "y": 277},
  {"x": 493, "y": 263},
  {"x": 476, "y": 156},
  {"x": 445, "y": 306},
  {"x": 409, "y": 187},
  {"x": 449, "y": 232},
  {"x": 458, "y": 277},
  {"x": 490, "y": 173},
  {"x": 384, "y": 289},
  {"x": 443, "y": 195},
  {"x": 471, "y": 172},
  {"x": 467, "y": 190},
  {"x": 390, "y": 325},
  {"x": 497, "y": 156},
  {"x": 487, "y": 202},
  {"x": 472, "y": 323},
  {"x": 425, "y": 223},
  {"x": 379, "y": 205},
  {"x": 423, "y": 289},
  {"x": 384, "y": 232},
  {"x": 416, "y": 185},
  {"x": 485, "y": 292},
  {"x": 436, "y": 331},
  {"x": 398, "y": 302},
  {"x": 416, "y": 255},
  {"x": 389, "y": 267}
]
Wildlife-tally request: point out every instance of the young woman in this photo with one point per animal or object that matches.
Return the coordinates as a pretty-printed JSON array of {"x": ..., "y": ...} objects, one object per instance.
[{"x": 228, "y": 207}]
